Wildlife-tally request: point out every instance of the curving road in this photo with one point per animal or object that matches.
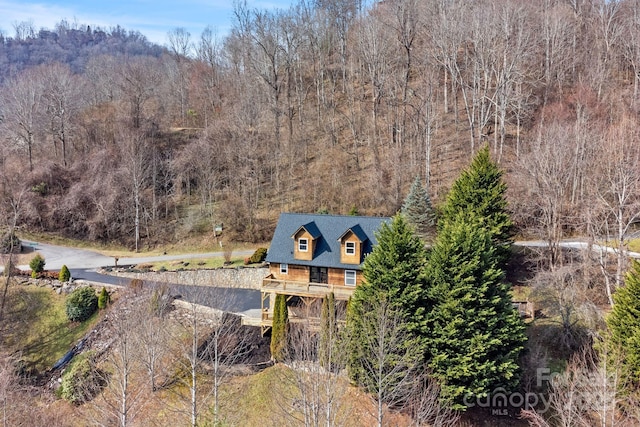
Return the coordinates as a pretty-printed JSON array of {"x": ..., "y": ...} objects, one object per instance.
[
  {"x": 83, "y": 265},
  {"x": 577, "y": 244},
  {"x": 76, "y": 258}
]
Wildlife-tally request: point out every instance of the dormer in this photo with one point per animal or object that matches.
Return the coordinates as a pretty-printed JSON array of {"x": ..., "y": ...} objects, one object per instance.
[
  {"x": 351, "y": 245},
  {"x": 305, "y": 240}
]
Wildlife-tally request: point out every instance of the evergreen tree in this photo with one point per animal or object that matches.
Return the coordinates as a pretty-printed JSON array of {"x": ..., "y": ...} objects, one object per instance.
[
  {"x": 64, "y": 274},
  {"x": 475, "y": 335},
  {"x": 279, "y": 328},
  {"x": 418, "y": 210},
  {"x": 624, "y": 325},
  {"x": 36, "y": 264},
  {"x": 103, "y": 299},
  {"x": 81, "y": 304},
  {"x": 479, "y": 193},
  {"x": 393, "y": 272}
]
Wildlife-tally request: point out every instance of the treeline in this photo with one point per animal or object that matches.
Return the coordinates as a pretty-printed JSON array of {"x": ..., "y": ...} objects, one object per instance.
[
  {"x": 333, "y": 105},
  {"x": 68, "y": 43}
]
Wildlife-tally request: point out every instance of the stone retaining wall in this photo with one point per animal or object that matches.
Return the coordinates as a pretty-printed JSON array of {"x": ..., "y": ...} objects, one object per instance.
[{"x": 245, "y": 278}]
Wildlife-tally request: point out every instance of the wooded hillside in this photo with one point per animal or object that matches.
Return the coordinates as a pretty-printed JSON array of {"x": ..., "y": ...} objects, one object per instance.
[{"x": 329, "y": 105}]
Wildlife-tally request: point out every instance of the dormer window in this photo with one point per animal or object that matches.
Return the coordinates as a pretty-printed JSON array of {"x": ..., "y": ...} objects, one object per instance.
[
  {"x": 350, "y": 248},
  {"x": 303, "y": 245}
]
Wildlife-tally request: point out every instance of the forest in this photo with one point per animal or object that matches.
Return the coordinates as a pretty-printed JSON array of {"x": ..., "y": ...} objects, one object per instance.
[
  {"x": 336, "y": 106},
  {"x": 325, "y": 106}
]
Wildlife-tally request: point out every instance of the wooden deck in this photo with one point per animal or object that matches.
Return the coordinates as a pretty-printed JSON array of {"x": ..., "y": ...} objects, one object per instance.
[{"x": 306, "y": 289}]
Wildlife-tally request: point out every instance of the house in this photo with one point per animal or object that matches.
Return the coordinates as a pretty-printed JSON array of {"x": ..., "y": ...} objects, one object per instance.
[{"x": 312, "y": 255}]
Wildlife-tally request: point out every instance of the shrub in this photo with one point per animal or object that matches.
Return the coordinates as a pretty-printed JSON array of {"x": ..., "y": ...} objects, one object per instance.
[
  {"x": 40, "y": 189},
  {"x": 64, "y": 274},
  {"x": 10, "y": 244},
  {"x": 37, "y": 265},
  {"x": 104, "y": 299},
  {"x": 258, "y": 256},
  {"x": 81, "y": 304},
  {"x": 81, "y": 381}
]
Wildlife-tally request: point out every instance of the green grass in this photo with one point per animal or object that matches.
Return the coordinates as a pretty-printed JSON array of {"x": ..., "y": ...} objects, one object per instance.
[
  {"x": 39, "y": 329},
  {"x": 520, "y": 293},
  {"x": 634, "y": 245}
]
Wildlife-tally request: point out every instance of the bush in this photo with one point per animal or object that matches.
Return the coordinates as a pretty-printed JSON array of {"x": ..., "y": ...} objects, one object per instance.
[
  {"x": 81, "y": 304},
  {"x": 10, "y": 244},
  {"x": 40, "y": 189},
  {"x": 81, "y": 381},
  {"x": 37, "y": 265},
  {"x": 258, "y": 256},
  {"x": 104, "y": 299},
  {"x": 64, "y": 274}
]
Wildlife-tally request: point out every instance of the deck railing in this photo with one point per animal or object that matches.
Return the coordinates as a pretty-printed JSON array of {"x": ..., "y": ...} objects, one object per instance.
[{"x": 290, "y": 287}]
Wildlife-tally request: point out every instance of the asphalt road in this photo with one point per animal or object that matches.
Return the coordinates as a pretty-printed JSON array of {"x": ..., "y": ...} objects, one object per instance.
[
  {"x": 75, "y": 258},
  {"x": 83, "y": 265}
]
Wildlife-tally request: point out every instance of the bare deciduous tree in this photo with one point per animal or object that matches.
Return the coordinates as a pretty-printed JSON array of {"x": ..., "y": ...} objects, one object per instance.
[
  {"x": 585, "y": 394},
  {"x": 136, "y": 165},
  {"x": 22, "y": 109},
  {"x": 180, "y": 47},
  {"x": 62, "y": 97},
  {"x": 390, "y": 368},
  {"x": 315, "y": 364},
  {"x": 121, "y": 400},
  {"x": 616, "y": 182}
]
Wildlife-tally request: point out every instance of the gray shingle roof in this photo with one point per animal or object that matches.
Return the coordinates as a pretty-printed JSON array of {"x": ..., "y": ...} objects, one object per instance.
[{"x": 330, "y": 229}]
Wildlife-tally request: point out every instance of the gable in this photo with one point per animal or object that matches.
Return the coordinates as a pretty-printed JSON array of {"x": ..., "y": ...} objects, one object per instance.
[{"x": 351, "y": 247}]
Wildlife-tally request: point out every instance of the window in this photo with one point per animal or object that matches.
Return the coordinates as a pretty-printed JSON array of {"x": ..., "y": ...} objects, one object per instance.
[
  {"x": 350, "y": 277},
  {"x": 303, "y": 245},
  {"x": 350, "y": 248},
  {"x": 284, "y": 268}
]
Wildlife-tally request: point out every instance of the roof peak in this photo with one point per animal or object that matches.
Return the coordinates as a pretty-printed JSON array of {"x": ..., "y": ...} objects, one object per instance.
[{"x": 331, "y": 215}]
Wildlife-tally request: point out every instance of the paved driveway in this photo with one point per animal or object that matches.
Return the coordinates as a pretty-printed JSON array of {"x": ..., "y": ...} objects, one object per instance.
[{"x": 84, "y": 264}]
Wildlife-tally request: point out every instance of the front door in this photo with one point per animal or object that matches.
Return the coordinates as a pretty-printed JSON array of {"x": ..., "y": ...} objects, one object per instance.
[{"x": 318, "y": 275}]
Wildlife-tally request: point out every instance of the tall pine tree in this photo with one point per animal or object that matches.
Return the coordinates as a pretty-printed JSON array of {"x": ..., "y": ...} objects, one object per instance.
[
  {"x": 475, "y": 334},
  {"x": 624, "y": 325},
  {"x": 392, "y": 272},
  {"x": 418, "y": 210},
  {"x": 479, "y": 193}
]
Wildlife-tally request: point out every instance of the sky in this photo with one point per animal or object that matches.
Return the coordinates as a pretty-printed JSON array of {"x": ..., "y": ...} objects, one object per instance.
[{"x": 152, "y": 18}]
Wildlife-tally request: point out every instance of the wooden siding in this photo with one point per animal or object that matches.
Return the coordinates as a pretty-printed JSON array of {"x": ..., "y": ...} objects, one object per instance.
[
  {"x": 350, "y": 259},
  {"x": 300, "y": 273},
  {"x": 311, "y": 245},
  {"x": 296, "y": 273},
  {"x": 336, "y": 277}
]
